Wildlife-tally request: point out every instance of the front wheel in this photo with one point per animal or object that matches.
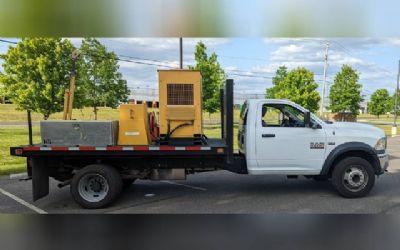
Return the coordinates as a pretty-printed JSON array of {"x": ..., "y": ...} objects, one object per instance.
[
  {"x": 353, "y": 177},
  {"x": 96, "y": 186}
]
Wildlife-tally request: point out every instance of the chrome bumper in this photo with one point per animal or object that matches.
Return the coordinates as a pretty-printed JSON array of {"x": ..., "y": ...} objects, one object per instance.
[{"x": 383, "y": 161}]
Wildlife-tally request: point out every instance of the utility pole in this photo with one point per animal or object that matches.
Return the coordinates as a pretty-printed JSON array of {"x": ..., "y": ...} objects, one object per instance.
[
  {"x": 321, "y": 108},
  {"x": 180, "y": 53},
  {"x": 394, "y": 128}
]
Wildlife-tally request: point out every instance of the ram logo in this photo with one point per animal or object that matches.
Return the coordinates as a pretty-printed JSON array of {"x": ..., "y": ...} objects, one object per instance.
[{"x": 317, "y": 145}]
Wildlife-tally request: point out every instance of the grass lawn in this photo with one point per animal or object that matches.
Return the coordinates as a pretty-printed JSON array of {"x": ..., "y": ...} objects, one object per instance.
[
  {"x": 373, "y": 118},
  {"x": 14, "y": 136},
  {"x": 9, "y": 113}
]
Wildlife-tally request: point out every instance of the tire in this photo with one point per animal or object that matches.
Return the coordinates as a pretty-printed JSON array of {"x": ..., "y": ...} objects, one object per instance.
[
  {"x": 96, "y": 186},
  {"x": 126, "y": 183},
  {"x": 353, "y": 177}
]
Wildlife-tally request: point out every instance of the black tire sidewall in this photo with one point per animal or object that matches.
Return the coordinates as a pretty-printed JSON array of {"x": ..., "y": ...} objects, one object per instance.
[
  {"x": 339, "y": 171},
  {"x": 114, "y": 185}
]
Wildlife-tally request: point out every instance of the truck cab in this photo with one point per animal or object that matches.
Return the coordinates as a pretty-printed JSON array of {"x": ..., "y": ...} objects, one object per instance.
[{"x": 281, "y": 137}]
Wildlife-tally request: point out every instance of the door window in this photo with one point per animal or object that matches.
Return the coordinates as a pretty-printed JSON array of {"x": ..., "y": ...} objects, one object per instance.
[{"x": 281, "y": 115}]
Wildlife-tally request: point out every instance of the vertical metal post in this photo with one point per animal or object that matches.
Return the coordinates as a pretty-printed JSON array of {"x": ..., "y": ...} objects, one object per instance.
[
  {"x": 30, "y": 127},
  {"x": 394, "y": 129},
  {"x": 228, "y": 120},
  {"x": 221, "y": 98},
  {"x": 180, "y": 53}
]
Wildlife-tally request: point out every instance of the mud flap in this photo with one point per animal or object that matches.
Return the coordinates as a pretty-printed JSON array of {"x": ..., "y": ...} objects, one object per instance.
[
  {"x": 40, "y": 178},
  {"x": 238, "y": 165}
]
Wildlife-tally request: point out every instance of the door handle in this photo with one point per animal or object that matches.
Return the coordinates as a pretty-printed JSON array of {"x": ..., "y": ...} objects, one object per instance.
[{"x": 268, "y": 135}]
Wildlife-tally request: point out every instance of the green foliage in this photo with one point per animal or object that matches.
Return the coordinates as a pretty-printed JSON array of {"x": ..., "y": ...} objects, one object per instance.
[
  {"x": 213, "y": 77},
  {"x": 2, "y": 88},
  {"x": 297, "y": 85},
  {"x": 379, "y": 103},
  {"x": 36, "y": 72},
  {"x": 103, "y": 84},
  {"x": 280, "y": 75},
  {"x": 391, "y": 103},
  {"x": 345, "y": 92}
]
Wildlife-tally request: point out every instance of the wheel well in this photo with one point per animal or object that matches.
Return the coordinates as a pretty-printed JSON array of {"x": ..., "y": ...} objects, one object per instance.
[{"x": 354, "y": 153}]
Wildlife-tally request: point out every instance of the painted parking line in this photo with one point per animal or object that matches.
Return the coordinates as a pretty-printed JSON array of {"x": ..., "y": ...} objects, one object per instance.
[
  {"x": 22, "y": 202},
  {"x": 188, "y": 186},
  {"x": 18, "y": 176}
]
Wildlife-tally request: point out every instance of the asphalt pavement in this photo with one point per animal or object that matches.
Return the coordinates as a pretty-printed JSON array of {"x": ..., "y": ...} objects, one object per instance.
[{"x": 219, "y": 192}]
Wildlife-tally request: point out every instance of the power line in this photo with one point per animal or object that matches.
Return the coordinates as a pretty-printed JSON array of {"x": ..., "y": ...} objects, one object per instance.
[
  {"x": 7, "y": 41},
  {"x": 350, "y": 53}
]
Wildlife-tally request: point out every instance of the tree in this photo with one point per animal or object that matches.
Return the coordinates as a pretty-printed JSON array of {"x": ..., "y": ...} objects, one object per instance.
[
  {"x": 2, "y": 89},
  {"x": 380, "y": 102},
  {"x": 392, "y": 101},
  {"x": 213, "y": 77},
  {"x": 280, "y": 75},
  {"x": 297, "y": 85},
  {"x": 103, "y": 84},
  {"x": 345, "y": 92},
  {"x": 36, "y": 72}
]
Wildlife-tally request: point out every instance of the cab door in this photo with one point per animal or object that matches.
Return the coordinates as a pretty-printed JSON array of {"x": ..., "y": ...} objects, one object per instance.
[{"x": 284, "y": 144}]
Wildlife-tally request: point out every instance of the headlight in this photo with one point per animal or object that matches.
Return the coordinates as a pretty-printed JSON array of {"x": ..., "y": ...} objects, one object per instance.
[{"x": 381, "y": 144}]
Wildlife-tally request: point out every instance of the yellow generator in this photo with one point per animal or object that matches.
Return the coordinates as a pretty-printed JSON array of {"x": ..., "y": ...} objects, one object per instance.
[
  {"x": 133, "y": 125},
  {"x": 180, "y": 104}
]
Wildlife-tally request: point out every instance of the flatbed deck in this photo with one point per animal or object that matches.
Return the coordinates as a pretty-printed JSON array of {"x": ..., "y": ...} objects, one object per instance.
[{"x": 212, "y": 147}]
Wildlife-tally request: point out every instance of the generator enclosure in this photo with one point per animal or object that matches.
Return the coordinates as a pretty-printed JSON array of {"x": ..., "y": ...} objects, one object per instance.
[
  {"x": 79, "y": 133},
  {"x": 133, "y": 125},
  {"x": 180, "y": 93}
]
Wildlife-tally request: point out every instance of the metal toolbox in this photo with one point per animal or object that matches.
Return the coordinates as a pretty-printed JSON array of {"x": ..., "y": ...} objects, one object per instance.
[{"x": 79, "y": 133}]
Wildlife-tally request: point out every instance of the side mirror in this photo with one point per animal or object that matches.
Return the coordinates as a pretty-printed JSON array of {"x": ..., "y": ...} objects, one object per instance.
[
  {"x": 307, "y": 119},
  {"x": 316, "y": 126}
]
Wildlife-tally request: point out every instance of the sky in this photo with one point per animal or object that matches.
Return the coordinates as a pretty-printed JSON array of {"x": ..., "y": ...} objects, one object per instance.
[{"x": 252, "y": 62}]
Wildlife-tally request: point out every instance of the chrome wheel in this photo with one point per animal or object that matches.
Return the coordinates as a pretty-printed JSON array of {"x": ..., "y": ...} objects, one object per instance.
[
  {"x": 93, "y": 187},
  {"x": 355, "y": 178}
]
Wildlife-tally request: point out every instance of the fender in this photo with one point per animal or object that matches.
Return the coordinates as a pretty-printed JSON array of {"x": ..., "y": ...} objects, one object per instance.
[{"x": 347, "y": 147}]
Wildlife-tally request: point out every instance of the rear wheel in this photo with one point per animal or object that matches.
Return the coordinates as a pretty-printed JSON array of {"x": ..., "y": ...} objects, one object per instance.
[
  {"x": 353, "y": 177},
  {"x": 96, "y": 186}
]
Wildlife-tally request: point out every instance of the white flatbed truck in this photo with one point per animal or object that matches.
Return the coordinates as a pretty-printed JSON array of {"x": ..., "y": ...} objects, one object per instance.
[{"x": 275, "y": 137}]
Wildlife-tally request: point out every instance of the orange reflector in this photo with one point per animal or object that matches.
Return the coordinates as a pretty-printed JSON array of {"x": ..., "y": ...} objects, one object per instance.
[
  {"x": 220, "y": 150},
  {"x": 18, "y": 151}
]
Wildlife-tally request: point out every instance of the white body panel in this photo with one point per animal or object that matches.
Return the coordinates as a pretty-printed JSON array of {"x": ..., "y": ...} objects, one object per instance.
[{"x": 292, "y": 150}]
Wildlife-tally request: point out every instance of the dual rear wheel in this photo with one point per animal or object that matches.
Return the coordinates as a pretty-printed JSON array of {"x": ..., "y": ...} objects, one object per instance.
[{"x": 96, "y": 186}]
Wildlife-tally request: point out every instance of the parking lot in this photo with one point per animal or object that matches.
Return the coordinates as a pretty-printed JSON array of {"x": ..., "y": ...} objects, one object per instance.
[{"x": 219, "y": 192}]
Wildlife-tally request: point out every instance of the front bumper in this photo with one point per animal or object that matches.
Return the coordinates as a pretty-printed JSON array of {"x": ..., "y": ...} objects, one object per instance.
[{"x": 383, "y": 162}]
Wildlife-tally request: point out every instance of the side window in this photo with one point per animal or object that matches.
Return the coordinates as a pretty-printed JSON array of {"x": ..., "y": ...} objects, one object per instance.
[
  {"x": 281, "y": 115},
  {"x": 271, "y": 116},
  {"x": 243, "y": 114}
]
